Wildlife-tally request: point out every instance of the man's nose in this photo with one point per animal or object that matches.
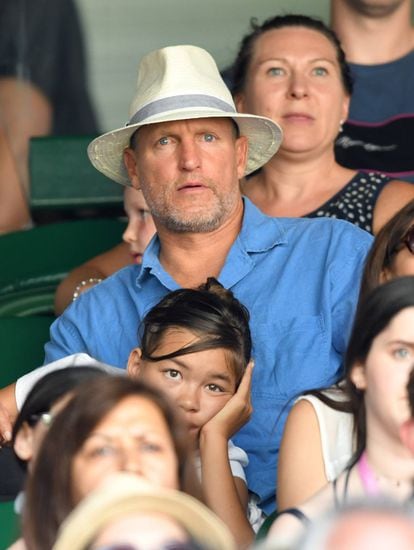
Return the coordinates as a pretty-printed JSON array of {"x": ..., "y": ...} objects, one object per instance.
[{"x": 189, "y": 155}]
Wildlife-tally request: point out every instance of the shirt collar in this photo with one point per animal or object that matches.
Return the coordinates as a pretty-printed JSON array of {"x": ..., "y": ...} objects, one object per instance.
[{"x": 259, "y": 233}]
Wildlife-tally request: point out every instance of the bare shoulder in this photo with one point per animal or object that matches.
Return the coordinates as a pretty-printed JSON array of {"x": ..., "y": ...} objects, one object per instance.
[
  {"x": 394, "y": 196},
  {"x": 301, "y": 467}
]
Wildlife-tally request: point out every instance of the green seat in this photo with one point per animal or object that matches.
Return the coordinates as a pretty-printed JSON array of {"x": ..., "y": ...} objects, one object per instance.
[
  {"x": 21, "y": 345},
  {"x": 9, "y": 525},
  {"x": 62, "y": 177},
  {"x": 36, "y": 260}
]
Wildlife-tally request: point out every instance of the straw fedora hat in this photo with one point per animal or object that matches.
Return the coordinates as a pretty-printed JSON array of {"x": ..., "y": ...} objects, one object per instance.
[
  {"x": 123, "y": 494},
  {"x": 181, "y": 83}
]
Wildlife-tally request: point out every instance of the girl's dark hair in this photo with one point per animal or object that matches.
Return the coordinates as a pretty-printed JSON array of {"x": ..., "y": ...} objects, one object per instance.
[
  {"x": 49, "y": 389},
  {"x": 410, "y": 390},
  {"x": 241, "y": 65},
  {"x": 374, "y": 313},
  {"x": 212, "y": 313},
  {"x": 49, "y": 495},
  {"x": 387, "y": 243}
]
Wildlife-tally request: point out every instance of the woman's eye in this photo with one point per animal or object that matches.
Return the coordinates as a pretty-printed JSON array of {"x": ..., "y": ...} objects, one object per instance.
[
  {"x": 320, "y": 71},
  {"x": 276, "y": 71},
  {"x": 149, "y": 447},
  {"x": 402, "y": 353},
  {"x": 102, "y": 452}
]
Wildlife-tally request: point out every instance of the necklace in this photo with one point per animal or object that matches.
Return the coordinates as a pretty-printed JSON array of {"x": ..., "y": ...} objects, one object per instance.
[{"x": 369, "y": 480}]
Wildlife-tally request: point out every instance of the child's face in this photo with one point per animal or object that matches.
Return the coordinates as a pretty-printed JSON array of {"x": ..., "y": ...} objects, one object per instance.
[{"x": 200, "y": 383}]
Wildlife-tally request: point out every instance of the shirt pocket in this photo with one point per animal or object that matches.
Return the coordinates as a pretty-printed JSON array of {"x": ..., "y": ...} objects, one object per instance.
[{"x": 292, "y": 355}]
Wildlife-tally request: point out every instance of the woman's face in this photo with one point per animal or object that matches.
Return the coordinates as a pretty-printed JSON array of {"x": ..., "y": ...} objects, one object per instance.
[
  {"x": 134, "y": 438},
  {"x": 294, "y": 78},
  {"x": 402, "y": 264},
  {"x": 384, "y": 375}
]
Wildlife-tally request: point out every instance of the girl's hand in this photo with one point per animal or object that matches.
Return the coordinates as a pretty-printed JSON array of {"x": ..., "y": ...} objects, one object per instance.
[{"x": 236, "y": 412}]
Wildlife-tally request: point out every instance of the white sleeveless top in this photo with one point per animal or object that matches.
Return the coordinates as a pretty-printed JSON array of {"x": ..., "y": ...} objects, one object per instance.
[{"x": 336, "y": 433}]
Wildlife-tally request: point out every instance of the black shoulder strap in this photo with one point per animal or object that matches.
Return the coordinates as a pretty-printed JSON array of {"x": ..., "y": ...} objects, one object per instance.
[{"x": 297, "y": 513}]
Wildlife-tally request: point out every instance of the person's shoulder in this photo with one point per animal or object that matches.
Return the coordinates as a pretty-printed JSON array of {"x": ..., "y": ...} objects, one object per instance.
[{"x": 326, "y": 229}]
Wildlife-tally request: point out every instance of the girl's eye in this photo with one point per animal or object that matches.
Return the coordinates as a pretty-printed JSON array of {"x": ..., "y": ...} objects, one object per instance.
[
  {"x": 172, "y": 374},
  {"x": 401, "y": 353},
  {"x": 214, "y": 388},
  {"x": 320, "y": 71},
  {"x": 276, "y": 71}
]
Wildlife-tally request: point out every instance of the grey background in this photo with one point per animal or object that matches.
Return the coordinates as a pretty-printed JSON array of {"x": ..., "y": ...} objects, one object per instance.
[{"x": 119, "y": 32}]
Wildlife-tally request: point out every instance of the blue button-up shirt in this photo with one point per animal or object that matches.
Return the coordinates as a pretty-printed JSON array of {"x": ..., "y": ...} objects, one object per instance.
[{"x": 299, "y": 278}]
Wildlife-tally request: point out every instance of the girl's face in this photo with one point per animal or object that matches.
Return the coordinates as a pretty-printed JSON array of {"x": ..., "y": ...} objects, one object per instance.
[
  {"x": 133, "y": 437},
  {"x": 200, "y": 383},
  {"x": 294, "y": 78},
  {"x": 384, "y": 376},
  {"x": 141, "y": 228}
]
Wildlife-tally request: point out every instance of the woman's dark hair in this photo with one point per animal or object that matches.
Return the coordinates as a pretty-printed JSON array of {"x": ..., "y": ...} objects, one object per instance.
[
  {"x": 49, "y": 389},
  {"x": 212, "y": 313},
  {"x": 387, "y": 243},
  {"x": 241, "y": 65},
  {"x": 374, "y": 313},
  {"x": 410, "y": 390},
  {"x": 49, "y": 496}
]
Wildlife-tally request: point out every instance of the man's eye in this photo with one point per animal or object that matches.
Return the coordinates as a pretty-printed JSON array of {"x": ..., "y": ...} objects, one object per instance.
[
  {"x": 164, "y": 140},
  {"x": 209, "y": 137}
]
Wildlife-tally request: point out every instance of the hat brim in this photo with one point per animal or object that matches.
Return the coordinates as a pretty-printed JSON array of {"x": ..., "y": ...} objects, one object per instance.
[
  {"x": 123, "y": 496},
  {"x": 264, "y": 136}
]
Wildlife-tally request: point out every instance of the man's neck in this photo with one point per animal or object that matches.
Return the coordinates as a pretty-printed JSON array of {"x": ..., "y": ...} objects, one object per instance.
[
  {"x": 373, "y": 40},
  {"x": 190, "y": 258}
]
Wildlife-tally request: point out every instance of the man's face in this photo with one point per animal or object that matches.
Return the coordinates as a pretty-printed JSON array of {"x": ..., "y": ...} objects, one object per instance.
[{"x": 189, "y": 172}]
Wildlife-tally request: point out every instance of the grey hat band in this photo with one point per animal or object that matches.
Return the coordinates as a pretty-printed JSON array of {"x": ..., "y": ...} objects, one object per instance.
[{"x": 161, "y": 106}]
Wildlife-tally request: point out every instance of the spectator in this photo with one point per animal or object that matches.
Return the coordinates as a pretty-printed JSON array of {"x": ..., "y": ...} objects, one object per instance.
[
  {"x": 298, "y": 278},
  {"x": 378, "y": 364},
  {"x": 378, "y": 39},
  {"x": 293, "y": 70}
]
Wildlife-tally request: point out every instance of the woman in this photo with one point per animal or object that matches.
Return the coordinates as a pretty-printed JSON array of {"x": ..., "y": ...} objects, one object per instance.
[
  {"x": 110, "y": 424},
  {"x": 317, "y": 424},
  {"x": 378, "y": 363},
  {"x": 292, "y": 69}
]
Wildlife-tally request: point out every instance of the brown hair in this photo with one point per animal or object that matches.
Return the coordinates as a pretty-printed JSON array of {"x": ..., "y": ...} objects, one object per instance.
[{"x": 49, "y": 495}]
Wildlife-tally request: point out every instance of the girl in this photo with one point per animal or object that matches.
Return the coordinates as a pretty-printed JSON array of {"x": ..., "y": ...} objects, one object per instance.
[
  {"x": 196, "y": 347},
  {"x": 378, "y": 364}
]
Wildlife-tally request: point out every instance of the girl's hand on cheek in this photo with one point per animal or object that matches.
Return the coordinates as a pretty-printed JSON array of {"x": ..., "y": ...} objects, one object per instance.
[{"x": 235, "y": 413}]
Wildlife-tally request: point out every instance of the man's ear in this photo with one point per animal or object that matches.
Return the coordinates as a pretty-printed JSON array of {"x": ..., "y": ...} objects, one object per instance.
[
  {"x": 358, "y": 376},
  {"x": 23, "y": 444},
  {"x": 242, "y": 149},
  {"x": 407, "y": 434},
  {"x": 130, "y": 162},
  {"x": 134, "y": 363}
]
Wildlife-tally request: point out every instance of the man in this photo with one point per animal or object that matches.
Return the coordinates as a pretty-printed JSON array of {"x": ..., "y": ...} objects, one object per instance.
[
  {"x": 298, "y": 278},
  {"x": 378, "y": 40}
]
